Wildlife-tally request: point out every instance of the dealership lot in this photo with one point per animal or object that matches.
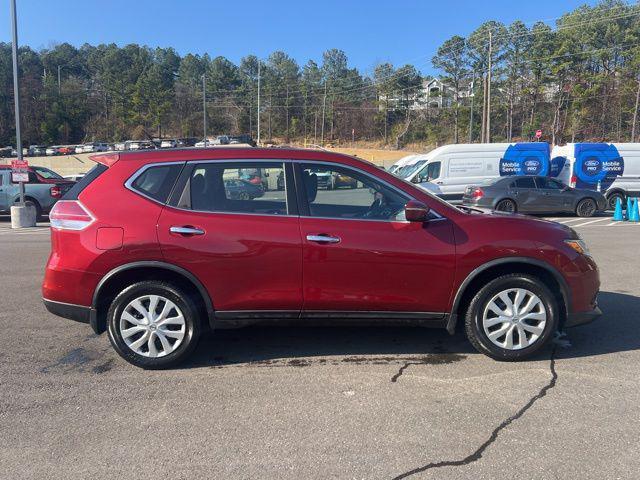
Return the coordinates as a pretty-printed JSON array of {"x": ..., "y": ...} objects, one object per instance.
[{"x": 321, "y": 402}]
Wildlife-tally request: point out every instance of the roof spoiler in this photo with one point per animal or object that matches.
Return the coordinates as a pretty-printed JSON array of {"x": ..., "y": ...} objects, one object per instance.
[{"x": 106, "y": 159}]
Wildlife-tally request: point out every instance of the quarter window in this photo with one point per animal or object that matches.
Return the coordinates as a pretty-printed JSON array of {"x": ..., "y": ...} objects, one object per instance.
[
  {"x": 239, "y": 187},
  {"x": 337, "y": 192},
  {"x": 157, "y": 181}
]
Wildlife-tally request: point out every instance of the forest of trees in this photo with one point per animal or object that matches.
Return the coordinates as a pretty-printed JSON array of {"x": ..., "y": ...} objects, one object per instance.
[{"x": 578, "y": 79}]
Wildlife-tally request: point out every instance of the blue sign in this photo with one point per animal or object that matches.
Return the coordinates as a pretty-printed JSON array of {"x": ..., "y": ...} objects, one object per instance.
[
  {"x": 596, "y": 163},
  {"x": 526, "y": 159}
]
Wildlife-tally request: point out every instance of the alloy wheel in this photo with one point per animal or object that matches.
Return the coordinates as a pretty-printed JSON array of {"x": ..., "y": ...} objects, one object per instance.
[
  {"x": 587, "y": 208},
  {"x": 152, "y": 326},
  {"x": 514, "y": 319}
]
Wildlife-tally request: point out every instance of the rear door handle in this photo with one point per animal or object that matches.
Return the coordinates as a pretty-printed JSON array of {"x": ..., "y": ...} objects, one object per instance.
[
  {"x": 323, "y": 238},
  {"x": 187, "y": 230}
]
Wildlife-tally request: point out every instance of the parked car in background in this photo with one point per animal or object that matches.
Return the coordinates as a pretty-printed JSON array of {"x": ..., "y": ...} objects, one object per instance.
[
  {"x": 241, "y": 139},
  {"x": 169, "y": 143},
  {"x": 74, "y": 178},
  {"x": 41, "y": 194},
  {"x": 6, "y": 152},
  {"x": 53, "y": 150},
  {"x": 533, "y": 194},
  {"x": 238, "y": 189},
  {"x": 146, "y": 240},
  {"x": 78, "y": 149},
  {"x": 46, "y": 175},
  {"x": 95, "y": 147},
  {"x": 37, "y": 150}
]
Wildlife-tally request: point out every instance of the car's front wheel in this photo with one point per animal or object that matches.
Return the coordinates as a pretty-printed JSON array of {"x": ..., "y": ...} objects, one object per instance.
[
  {"x": 153, "y": 325},
  {"x": 511, "y": 317}
]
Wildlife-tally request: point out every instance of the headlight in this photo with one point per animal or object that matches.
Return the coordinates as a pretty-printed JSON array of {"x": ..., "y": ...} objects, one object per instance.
[{"x": 579, "y": 246}]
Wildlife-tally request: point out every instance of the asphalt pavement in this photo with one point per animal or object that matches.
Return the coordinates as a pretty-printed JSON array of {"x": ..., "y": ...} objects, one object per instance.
[{"x": 325, "y": 402}]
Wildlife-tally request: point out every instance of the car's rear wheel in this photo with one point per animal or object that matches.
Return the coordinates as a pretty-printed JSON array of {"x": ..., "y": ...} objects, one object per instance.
[
  {"x": 506, "y": 205},
  {"x": 586, "y": 207},
  {"x": 511, "y": 317},
  {"x": 153, "y": 325}
]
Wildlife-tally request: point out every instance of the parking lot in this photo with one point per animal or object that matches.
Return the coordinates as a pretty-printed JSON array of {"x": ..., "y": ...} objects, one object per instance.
[{"x": 321, "y": 402}]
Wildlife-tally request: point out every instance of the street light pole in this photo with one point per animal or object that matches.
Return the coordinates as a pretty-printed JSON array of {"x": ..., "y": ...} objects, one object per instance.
[
  {"x": 204, "y": 108},
  {"x": 16, "y": 89},
  {"x": 258, "y": 126}
]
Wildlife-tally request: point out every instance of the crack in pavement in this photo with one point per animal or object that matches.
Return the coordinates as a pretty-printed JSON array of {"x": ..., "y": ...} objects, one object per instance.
[
  {"x": 477, "y": 454},
  {"x": 394, "y": 379}
]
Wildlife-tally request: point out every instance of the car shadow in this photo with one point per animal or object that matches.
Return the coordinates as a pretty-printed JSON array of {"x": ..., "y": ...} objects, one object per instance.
[{"x": 299, "y": 346}]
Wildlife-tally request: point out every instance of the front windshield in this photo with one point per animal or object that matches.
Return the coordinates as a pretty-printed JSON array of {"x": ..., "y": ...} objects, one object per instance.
[
  {"x": 46, "y": 173},
  {"x": 408, "y": 170}
]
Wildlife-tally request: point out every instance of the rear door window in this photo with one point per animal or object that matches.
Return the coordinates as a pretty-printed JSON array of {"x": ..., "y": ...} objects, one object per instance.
[
  {"x": 236, "y": 187},
  {"x": 526, "y": 182}
]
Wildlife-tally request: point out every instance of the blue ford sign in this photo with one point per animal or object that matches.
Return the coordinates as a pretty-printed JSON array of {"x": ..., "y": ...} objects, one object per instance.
[
  {"x": 597, "y": 163},
  {"x": 526, "y": 159}
]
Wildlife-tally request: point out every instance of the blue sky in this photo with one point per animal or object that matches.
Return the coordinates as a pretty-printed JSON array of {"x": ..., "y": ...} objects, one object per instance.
[{"x": 399, "y": 31}]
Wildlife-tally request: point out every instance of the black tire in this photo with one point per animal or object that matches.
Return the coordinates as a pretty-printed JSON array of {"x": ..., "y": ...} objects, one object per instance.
[
  {"x": 506, "y": 205},
  {"x": 587, "y": 207},
  {"x": 473, "y": 320},
  {"x": 611, "y": 200},
  {"x": 190, "y": 313}
]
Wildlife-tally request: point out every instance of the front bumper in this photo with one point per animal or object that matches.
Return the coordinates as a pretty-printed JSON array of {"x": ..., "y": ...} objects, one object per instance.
[
  {"x": 580, "y": 318},
  {"x": 77, "y": 313}
]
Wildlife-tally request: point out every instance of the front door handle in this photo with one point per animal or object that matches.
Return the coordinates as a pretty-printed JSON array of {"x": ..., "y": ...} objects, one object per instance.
[
  {"x": 187, "y": 230},
  {"x": 323, "y": 238}
]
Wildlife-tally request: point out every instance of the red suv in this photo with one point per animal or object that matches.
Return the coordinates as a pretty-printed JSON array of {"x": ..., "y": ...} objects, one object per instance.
[{"x": 154, "y": 247}]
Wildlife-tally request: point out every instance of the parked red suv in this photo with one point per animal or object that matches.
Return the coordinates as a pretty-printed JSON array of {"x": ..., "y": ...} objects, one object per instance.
[{"x": 153, "y": 248}]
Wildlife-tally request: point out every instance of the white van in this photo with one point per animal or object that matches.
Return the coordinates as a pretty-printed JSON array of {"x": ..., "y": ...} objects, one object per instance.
[
  {"x": 401, "y": 163},
  {"x": 449, "y": 169},
  {"x": 596, "y": 166}
]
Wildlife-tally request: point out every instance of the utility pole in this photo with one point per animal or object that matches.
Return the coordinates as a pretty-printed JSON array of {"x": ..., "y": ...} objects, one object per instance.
[
  {"x": 204, "y": 108},
  {"x": 488, "y": 127},
  {"x": 473, "y": 96},
  {"x": 324, "y": 106},
  {"x": 259, "y": 63},
  {"x": 16, "y": 89}
]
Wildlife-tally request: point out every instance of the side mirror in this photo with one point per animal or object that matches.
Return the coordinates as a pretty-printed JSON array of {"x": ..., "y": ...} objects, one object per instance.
[
  {"x": 416, "y": 179},
  {"x": 415, "y": 211}
]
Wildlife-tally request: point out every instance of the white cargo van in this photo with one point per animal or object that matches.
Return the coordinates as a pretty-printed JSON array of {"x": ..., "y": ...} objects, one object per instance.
[
  {"x": 596, "y": 166},
  {"x": 401, "y": 163},
  {"x": 449, "y": 169}
]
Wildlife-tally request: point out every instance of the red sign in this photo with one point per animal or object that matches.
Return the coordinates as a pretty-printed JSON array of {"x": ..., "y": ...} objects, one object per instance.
[
  {"x": 19, "y": 165},
  {"x": 538, "y": 133},
  {"x": 19, "y": 171}
]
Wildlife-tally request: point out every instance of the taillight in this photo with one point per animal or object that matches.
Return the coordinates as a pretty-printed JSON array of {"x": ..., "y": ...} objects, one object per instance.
[
  {"x": 574, "y": 180},
  {"x": 70, "y": 215},
  {"x": 477, "y": 193},
  {"x": 55, "y": 191}
]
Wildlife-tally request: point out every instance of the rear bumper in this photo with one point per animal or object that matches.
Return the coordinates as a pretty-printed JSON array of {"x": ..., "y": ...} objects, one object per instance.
[
  {"x": 77, "y": 313},
  {"x": 580, "y": 318}
]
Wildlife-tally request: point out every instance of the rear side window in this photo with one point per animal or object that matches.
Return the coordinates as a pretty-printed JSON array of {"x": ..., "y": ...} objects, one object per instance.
[
  {"x": 524, "y": 183},
  {"x": 156, "y": 182},
  {"x": 238, "y": 187}
]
